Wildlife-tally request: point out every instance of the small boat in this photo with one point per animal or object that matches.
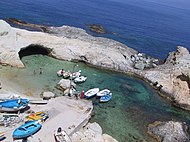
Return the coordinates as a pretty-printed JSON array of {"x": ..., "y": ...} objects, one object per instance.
[
  {"x": 2, "y": 135},
  {"x": 106, "y": 98},
  {"x": 26, "y": 130},
  {"x": 75, "y": 74},
  {"x": 41, "y": 115},
  {"x": 66, "y": 74},
  {"x": 60, "y": 72},
  {"x": 80, "y": 79},
  {"x": 103, "y": 93},
  {"x": 13, "y": 105},
  {"x": 90, "y": 93},
  {"x": 61, "y": 136}
]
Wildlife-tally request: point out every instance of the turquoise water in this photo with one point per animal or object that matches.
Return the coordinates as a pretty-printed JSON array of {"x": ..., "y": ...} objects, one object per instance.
[
  {"x": 152, "y": 28},
  {"x": 134, "y": 104}
]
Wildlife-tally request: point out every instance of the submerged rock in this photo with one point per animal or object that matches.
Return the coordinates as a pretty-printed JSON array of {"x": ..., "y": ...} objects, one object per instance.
[
  {"x": 25, "y": 24},
  {"x": 169, "y": 131},
  {"x": 97, "y": 28}
]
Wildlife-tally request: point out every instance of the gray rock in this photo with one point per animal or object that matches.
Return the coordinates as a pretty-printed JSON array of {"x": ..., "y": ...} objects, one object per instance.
[
  {"x": 169, "y": 131},
  {"x": 139, "y": 65},
  {"x": 65, "y": 83},
  {"x": 48, "y": 95}
]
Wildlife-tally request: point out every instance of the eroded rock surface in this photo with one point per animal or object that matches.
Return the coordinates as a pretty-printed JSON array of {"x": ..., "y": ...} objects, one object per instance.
[
  {"x": 69, "y": 43},
  {"x": 174, "y": 76},
  {"x": 169, "y": 131},
  {"x": 63, "y": 84},
  {"x": 92, "y": 132}
]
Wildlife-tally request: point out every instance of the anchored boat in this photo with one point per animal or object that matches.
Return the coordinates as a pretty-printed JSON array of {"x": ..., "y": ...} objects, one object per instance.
[
  {"x": 90, "y": 93},
  {"x": 103, "y": 93},
  {"x": 75, "y": 74},
  {"x": 80, "y": 79},
  {"x": 106, "y": 98}
]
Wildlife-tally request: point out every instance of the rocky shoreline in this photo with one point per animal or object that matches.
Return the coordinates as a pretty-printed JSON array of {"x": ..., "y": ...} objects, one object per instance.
[{"x": 170, "y": 78}]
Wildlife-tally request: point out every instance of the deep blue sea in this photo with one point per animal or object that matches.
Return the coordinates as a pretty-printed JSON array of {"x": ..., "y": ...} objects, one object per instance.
[{"x": 149, "y": 27}]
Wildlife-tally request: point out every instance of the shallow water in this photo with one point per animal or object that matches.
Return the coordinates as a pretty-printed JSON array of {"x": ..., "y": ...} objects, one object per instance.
[
  {"x": 125, "y": 117},
  {"x": 152, "y": 28}
]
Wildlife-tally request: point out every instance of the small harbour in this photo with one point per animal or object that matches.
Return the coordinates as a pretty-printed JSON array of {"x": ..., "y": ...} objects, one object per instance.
[{"x": 133, "y": 106}]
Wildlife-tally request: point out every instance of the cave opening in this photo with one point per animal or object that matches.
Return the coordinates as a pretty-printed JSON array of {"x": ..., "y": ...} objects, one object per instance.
[{"x": 33, "y": 50}]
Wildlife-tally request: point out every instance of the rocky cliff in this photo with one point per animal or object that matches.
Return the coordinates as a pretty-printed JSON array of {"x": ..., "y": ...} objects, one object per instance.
[
  {"x": 69, "y": 43},
  {"x": 72, "y": 44},
  {"x": 173, "y": 76}
]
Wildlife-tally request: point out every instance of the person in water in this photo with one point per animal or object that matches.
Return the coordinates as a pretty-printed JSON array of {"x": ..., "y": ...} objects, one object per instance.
[
  {"x": 40, "y": 70},
  {"x": 34, "y": 72}
]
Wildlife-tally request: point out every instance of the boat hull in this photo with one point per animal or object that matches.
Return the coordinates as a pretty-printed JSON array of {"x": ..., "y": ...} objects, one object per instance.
[
  {"x": 5, "y": 109},
  {"x": 106, "y": 98},
  {"x": 26, "y": 130},
  {"x": 13, "y": 105},
  {"x": 80, "y": 79},
  {"x": 91, "y": 93},
  {"x": 103, "y": 93}
]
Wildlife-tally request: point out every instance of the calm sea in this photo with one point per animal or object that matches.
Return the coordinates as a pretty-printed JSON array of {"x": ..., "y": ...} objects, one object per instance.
[{"x": 147, "y": 27}]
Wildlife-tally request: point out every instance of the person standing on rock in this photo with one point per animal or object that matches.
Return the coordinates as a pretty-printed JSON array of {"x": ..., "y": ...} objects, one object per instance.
[{"x": 34, "y": 72}]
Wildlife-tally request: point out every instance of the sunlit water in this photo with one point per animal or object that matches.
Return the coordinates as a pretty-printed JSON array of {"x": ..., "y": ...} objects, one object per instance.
[{"x": 133, "y": 106}]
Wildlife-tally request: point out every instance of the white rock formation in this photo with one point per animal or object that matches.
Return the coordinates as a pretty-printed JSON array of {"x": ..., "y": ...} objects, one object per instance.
[
  {"x": 65, "y": 83},
  {"x": 75, "y": 44},
  {"x": 96, "y": 51},
  {"x": 92, "y": 132},
  {"x": 48, "y": 95},
  {"x": 174, "y": 76},
  {"x": 169, "y": 131}
]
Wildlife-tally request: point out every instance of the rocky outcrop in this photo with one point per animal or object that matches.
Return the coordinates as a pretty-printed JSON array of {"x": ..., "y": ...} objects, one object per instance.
[
  {"x": 173, "y": 76},
  {"x": 92, "y": 132},
  {"x": 97, "y": 28},
  {"x": 63, "y": 84},
  {"x": 48, "y": 95},
  {"x": 169, "y": 131},
  {"x": 69, "y": 43},
  {"x": 25, "y": 24},
  {"x": 142, "y": 61}
]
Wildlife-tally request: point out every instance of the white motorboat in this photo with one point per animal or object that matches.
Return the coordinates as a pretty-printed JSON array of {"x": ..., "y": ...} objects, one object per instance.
[
  {"x": 75, "y": 74},
  {"x": 66, "y": 74},
  {"x": 103, "y": 93},
  {"x": 80, "y": 79},
  {"x": 60, "y": 72},
  {"x": 92, "y": 92}
]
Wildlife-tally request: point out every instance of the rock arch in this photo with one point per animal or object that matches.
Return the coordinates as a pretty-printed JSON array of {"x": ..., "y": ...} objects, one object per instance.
[{"x": 34, "y": 49}]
